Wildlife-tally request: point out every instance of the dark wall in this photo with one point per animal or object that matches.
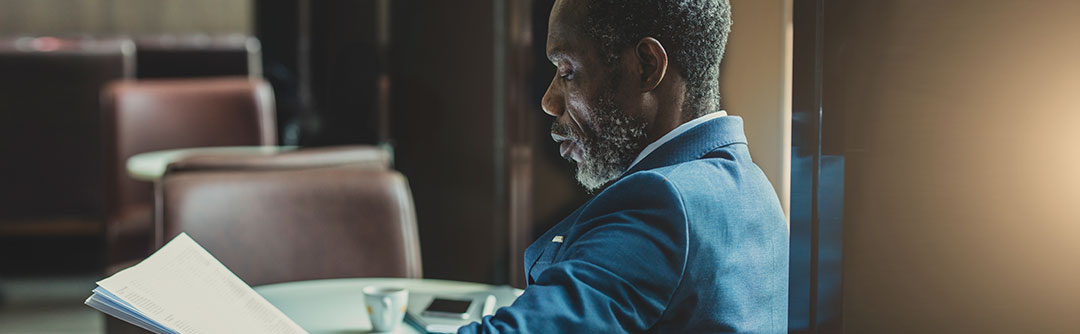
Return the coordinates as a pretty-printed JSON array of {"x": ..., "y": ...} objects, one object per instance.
[
  {"x": 464, "y": 115},
  {"x": 344, "y": 72},
  {"x": 322, "y": 58},
  {"x": 277, "y": 25},
  {"x": 442, "y": 123}
]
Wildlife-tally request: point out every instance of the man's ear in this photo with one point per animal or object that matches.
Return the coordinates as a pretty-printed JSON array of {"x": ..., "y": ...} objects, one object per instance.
[{"x": 652, "y": 62}]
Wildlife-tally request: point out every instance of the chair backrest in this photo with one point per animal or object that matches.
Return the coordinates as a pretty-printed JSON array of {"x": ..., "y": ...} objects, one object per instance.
[
  {"x": 190, "y": 56},
  {"x": 273, "y": 226},
  {"x": 49, "y": 120},
  {"x": 151, "y": 115}
]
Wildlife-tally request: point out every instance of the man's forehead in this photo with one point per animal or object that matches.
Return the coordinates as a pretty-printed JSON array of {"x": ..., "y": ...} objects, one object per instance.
[
  {"x": 562, "y": 7},
  {"x": 560, "y": 26}
]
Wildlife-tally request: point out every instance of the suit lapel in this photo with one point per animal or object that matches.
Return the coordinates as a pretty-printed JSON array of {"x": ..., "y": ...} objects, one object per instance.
[{"x": 540, "y": 248}]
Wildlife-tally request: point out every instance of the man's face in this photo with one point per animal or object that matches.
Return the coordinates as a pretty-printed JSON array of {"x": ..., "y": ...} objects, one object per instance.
[{"x": 597, "y": 120}]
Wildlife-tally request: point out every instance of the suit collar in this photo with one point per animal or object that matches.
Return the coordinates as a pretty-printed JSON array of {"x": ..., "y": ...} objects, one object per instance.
[{"x": 694, "y": 143}]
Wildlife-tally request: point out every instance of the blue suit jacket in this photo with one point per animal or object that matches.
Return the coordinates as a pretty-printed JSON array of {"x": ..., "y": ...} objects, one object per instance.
[{"x": 692, "y": 239}]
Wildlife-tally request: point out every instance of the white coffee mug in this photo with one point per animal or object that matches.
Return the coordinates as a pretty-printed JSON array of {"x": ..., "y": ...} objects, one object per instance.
[{"x": 385, "y": 306}]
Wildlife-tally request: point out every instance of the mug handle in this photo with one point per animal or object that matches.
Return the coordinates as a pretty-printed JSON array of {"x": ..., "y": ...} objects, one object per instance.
[{"x": 387, "y": 314}]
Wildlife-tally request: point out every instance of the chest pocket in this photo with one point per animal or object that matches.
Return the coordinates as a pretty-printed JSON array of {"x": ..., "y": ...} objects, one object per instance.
[{"x": 547, "y": 256}]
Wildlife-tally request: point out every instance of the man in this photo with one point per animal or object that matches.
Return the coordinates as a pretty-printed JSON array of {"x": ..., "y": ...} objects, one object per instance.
[{"x": 685, "y": 234}]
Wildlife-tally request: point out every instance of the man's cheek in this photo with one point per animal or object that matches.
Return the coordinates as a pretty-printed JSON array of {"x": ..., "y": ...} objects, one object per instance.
[{"x": 581, "y": 110}]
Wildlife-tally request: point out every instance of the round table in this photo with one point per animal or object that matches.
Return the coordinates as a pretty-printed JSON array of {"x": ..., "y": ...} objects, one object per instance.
[
  {"x": 337, "y": 305},
  {"x": 150, "y": 166}
]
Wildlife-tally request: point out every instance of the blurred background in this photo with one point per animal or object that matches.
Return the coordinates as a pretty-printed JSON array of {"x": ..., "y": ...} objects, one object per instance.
[{"x": 926, "y": 151}]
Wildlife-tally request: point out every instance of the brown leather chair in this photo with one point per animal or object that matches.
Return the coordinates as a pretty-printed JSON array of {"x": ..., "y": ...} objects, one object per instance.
[
  {"x": 279, "y": 225},
  {"x": 151, "y": 115}
]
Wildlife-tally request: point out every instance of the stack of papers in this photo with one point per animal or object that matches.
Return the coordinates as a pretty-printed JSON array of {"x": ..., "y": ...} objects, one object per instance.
[{"x": 182, "y": 289}]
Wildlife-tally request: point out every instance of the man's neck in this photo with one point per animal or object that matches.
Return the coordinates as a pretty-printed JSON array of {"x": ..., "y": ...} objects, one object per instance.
[
  {"x": 664, "y": 124},
  {"x": 675, "y": 132}
]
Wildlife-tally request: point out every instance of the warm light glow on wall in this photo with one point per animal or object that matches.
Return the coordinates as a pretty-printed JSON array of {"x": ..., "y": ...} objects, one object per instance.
[
  {"x": 963, "y": 147},
  {"x": 756, "y": 84}
]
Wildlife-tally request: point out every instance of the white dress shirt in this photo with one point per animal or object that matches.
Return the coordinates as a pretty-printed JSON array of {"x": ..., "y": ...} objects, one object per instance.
[{"x": 675, "y": 133}]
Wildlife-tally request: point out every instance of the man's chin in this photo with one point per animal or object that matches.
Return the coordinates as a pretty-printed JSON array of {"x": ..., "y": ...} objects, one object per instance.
[
  {"x": 594, "y": 178},
  {"x": 589, "y": 182}
]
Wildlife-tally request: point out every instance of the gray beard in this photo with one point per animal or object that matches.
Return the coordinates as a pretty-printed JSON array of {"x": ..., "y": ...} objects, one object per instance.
[{"x": 619, "y": 138}]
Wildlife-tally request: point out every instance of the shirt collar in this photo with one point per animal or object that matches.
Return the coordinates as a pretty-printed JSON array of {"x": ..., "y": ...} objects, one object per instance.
[{"x": 675, "y": 133}]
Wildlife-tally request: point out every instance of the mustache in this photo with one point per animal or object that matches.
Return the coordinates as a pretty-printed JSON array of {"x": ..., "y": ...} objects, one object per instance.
[{"x": 565, "y": 131}]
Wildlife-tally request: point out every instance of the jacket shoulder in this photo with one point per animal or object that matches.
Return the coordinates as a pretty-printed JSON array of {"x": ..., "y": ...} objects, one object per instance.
[
  {"x": 722, "y": 183},
  {"x": 641, "y": 190}
]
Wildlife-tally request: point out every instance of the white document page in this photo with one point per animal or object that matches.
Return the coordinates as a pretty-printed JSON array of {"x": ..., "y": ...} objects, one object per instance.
[{"x": 186, "y": 289}]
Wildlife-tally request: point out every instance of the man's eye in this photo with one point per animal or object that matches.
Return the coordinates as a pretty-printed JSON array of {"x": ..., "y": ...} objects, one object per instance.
[{"x": 566, "y": 76}]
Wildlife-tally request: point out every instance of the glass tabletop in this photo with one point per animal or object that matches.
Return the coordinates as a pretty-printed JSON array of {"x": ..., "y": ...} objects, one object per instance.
[{"x": 337, "y": 305}]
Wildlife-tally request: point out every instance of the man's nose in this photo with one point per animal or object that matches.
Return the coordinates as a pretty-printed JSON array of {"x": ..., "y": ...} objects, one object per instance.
[{"x": 552, "y": 103}]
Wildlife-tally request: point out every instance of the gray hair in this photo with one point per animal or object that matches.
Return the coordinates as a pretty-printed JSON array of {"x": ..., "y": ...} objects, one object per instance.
[{"x": 694, "y": 32}]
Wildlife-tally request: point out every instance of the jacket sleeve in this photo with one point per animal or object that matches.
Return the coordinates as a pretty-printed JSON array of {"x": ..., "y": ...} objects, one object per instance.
[{"x": 616, "y": 275}]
